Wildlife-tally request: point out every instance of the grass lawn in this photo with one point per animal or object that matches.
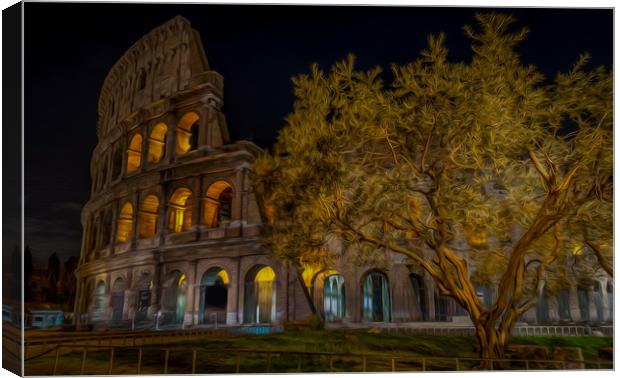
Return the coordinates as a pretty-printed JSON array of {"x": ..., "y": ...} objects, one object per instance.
[{"x": 383, "y": 346}]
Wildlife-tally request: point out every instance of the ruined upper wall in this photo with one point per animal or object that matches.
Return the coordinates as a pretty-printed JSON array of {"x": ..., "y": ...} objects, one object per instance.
[{"x": 160, "y": 64}]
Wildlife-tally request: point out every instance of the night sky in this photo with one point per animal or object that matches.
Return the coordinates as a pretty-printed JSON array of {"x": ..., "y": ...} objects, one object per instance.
[{"x": 69, "y": 49}]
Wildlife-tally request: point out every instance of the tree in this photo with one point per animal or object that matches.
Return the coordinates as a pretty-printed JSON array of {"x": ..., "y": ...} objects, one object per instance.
[
  {"x": 483, "y": 154},
  {"x": 53, "y": 275}
]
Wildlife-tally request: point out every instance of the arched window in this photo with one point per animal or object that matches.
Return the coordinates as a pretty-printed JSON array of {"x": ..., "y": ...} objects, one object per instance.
[
  {"x": 134, "y": 153},
  {"x": 147, "y": 223},
  {"x": 187, "y": 133},
  {"x": 157, "y": 143},
  {"x": 180, "y": 213},
  {"x": 333, "y": 298},
  {"x": 213, "y": 296},
  {"x": 175, "y": 286},
  {"x": 376, "y": 297},
  {"x": 260, "y": 295},
  {"x": 117, "y": 162},
  {"x": 99, "y": 298},
  {"x": 218, "y": 204},
  {"x": 125, "y": 223}
]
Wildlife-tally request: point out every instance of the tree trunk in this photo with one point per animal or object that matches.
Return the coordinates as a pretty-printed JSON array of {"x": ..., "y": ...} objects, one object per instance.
[
  {"x": 492, "y": 343},
  {"x": 307, "y": 295}
]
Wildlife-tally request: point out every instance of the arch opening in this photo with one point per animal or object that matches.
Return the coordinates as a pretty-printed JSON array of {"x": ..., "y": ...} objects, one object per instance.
[
  {"x": 125, "y": 223},
  {"x": 157, "y": 143},
  {"x": 218, "y": 204},
  {"x": 376, "y": 297},
  {"x": 213, "y": 296},
  {"x": 98, "y": 301},
  {"x": 134, "y": 153},
  {"x": 174, "y": 298},
  {"x": 187, "y": 133},
  {"x": 260, "y": 295},
  {"x": 147, "y": 223},
  {"x": 334, "y": 307},
  {"x": 117, "y": 162},
  {"x": 143, "y": 302},
  {"x": 117, "y": 299},
  {"x": 180, "y": 213}
]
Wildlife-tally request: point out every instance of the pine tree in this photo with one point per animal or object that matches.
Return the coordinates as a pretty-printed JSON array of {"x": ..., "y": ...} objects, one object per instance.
[{"x": 483, "y": 152}]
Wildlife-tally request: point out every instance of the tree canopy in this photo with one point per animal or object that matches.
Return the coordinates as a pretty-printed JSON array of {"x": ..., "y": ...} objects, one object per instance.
[{"x": 477, "y": 171}]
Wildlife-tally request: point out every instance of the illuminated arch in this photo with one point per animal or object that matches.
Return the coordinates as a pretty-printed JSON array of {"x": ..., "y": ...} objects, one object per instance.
[
  {"x": 213, "y": 296},
  {"x": 180, "y": 213},
  {"x": 134, "y": 153},
  {"x": 329, "y": 294},
  {"x": 260, "y": 295},
  {"x": 157, "y": 143},
  {"x": 174, "y": 297},
  {"x": 125, "y": 223},
  {"x": 147, "y": 222},
  {"x": 187, "y": 133},
  {"x": 218, "y": 204}
]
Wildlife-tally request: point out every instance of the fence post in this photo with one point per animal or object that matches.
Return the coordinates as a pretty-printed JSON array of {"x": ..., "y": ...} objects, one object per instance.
[
  {"x": 56, "y": 359},
  {"x": 83, "y": 361},
  {"x": 527, "y": 365},
  {"x": 193, "y": 361},
  {"x": 456, "y": 364},
  {"x": 238, "y": 363},
  {"x": 423, "y": 364},
  {"x": 166, "y": 355},
  {"x": 268, "y": 362},
  {"x": 111, "y": 361},
  {"x": 139, "y": 360},
  {"x": 299, "y": 362},
  {"x": 364, "y": 363},
  {"x": 331, "y": 363},
  {"x": 393, "y": 364}
]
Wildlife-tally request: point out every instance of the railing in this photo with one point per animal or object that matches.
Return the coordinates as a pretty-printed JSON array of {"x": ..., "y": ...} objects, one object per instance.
[
  {"x": 230, "y": 361},
  {"x": 528, "y": 330}
]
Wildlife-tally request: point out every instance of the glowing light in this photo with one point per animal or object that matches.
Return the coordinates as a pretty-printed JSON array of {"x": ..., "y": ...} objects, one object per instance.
[
  {"x": 180, "y": 215},
  {"x": 125, "y": 223},
  {"x": 186, "y": 133},
  {"x": 218, "y": 204},
  {"x": 157, "y": 143},
  {"x": 224, "y": 277},
  {"x": 134, "y": 154},
  {"x": 266, "y": 274},
  {"x": 181, "y": 280}
]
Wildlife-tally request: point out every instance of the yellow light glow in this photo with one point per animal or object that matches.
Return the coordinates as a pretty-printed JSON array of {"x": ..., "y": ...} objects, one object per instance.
[
  {"x": 184, "y": 132},
  {"x": 180, "y": 215},
  {"x": 134, "y": 153},
  {"x": 147, "y": 224},
  {"x": 125, "y": 223},
  {"x": 266, "y": 274},
  {"x": 223, "y": 276},
  {"x": 212, "y": 202},
  {"x": 476, "y": 239},
  {"x": 182, "y": 279},
  {"x": 157, "y": 143}
]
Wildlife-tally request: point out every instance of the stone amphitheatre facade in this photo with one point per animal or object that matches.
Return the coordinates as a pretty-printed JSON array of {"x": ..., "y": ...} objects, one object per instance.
[{"x": 172, "y": 228}]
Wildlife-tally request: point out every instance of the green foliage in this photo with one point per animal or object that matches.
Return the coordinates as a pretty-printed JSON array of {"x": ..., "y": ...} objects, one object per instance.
[{"x": 475, "y": 171}]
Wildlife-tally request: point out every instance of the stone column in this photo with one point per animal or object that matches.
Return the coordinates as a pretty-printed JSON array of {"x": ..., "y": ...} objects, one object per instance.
[
  {"x": 552, "y": 305},
  {"x": 573, "y": 303},
  {"x": 604, "y": 299},
  {"x": 592, "y": 304},
  {"x": 232, "y": 303},
  {"x": 189, "y": 294},
  {"x": 135, "y": 199},
  {"x": 429, "y": 291}
]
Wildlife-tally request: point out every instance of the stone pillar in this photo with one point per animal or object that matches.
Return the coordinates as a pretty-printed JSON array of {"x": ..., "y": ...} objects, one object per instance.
[
  {"x": 232, "y": 303},
  {"x": 604, "y": 299},
  {"x": 573, "y": 303},
  {"x": 552, "y": 305},
  {"x": 352, "y": 296},
  {"x": 429, "y": 291},
  {"x": 135, "y": 199},
  {"x": 592, "y": 304},
  {"x": 189, "y": 294}
]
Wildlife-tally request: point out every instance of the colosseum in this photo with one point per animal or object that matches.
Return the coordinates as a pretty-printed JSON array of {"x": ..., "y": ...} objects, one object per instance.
[{"x": 172, "y": 228}]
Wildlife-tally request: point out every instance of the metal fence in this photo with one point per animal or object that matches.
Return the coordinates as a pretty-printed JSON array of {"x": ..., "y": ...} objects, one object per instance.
[{"x": 160, "y": 360}]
